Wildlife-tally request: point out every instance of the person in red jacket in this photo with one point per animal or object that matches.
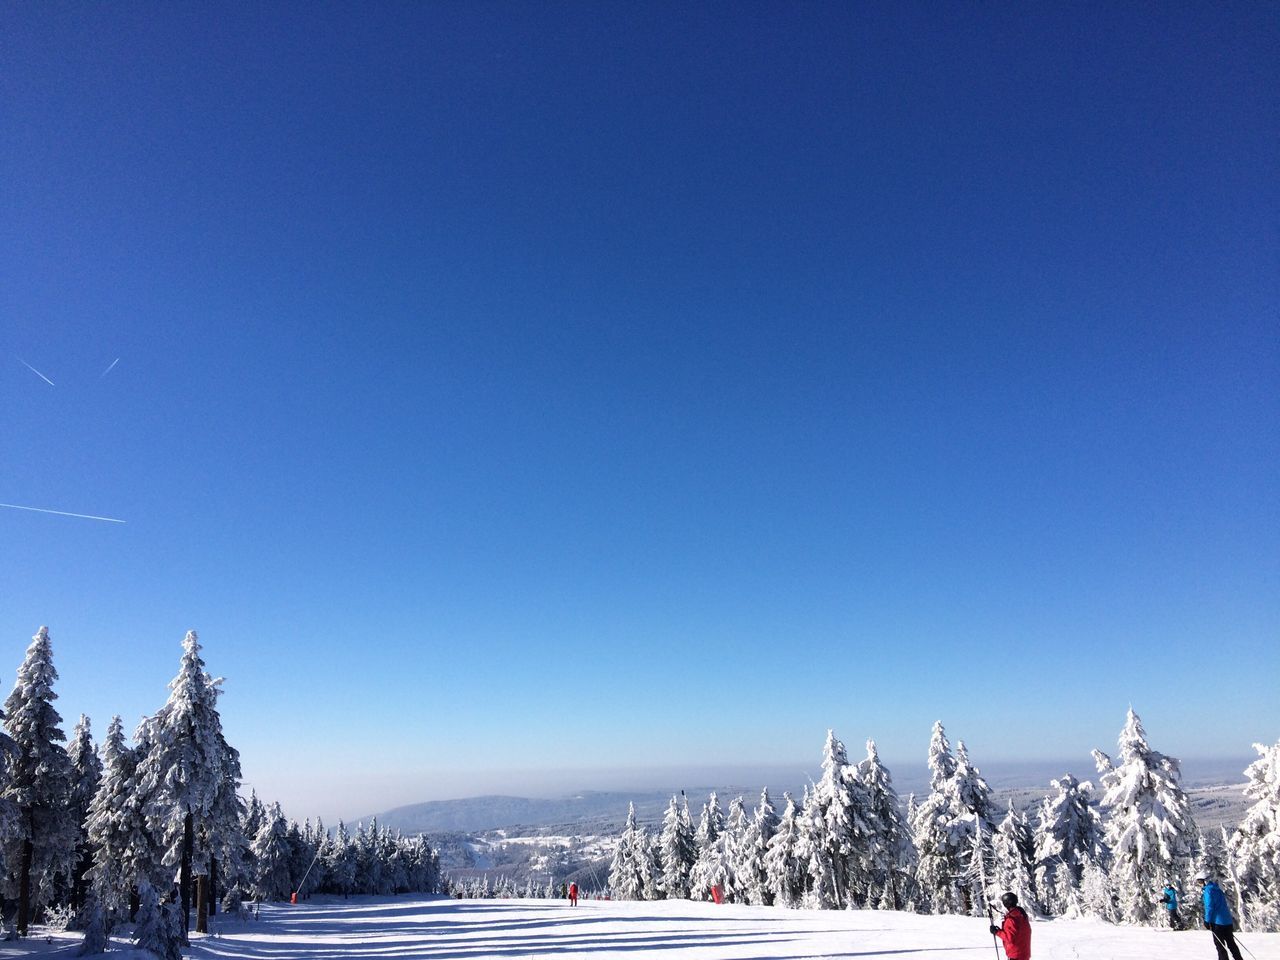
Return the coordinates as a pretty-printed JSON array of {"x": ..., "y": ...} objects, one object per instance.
[
  {"x": 573, "y": 894},
  {"x": 1016, "y": 929}
]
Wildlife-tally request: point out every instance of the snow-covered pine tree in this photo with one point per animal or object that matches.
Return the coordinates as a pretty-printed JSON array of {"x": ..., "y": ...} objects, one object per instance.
[
  {"x": 96, "y": 933},
  {"x": 1068, "y": 834},
  {"x": 940, "y": 830},
  {"x": 86, "y": 772},
  {"x": 1254, "y": 847},
  {"x": 838, "y": 833},
  {"x": 752, "y": 874},
  {"x": 893, "y": 857},
  {"x": 39, "y": 784},
  {"x": 628, "y": 872},
  {"x": 706, "y": 867},
  {"x": 159, "y": 927},
  {"x": 368, "y": 863},
  {"x": 1013, "y": 853},
  {"x": 221, "y": 843},
  {"x": 341, "y": 866},
  {"x": 300, "y": 853},
  {"x": 105, "y": 830},
  {"x": 784, "y": 868},
  {"x": 1149, "y": 827},
  {"x": 732, "y": 845},
  {"x": 183, "y": 769},
  {"x": 973, "y": 795},
  {"x": 677, "y": 849},
  {"x": 271, "y": 856}
]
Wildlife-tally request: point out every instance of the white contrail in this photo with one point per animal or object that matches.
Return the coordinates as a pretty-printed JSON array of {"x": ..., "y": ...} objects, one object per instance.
[
  {"x": 37, "y": 372},
  {"x": 62, "y": 513},
  {"x": 109, "y": 369}
]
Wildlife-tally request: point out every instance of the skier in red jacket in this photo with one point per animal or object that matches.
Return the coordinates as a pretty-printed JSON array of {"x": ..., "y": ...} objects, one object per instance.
[
  {"x": 1016, "y": 929},
  {"x": 573, "y": 894}
]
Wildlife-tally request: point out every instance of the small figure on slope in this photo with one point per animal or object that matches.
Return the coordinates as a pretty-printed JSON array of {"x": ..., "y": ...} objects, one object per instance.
[
  {"x": 1170, "y": 900},
  {"x": 573, "y": 894},
  {"x": 1218, "y": 918},
  {"x": 1016, "y": 929}
]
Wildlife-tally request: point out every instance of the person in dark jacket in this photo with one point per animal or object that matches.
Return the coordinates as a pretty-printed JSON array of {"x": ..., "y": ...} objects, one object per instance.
[
  {"x": 1016, "y": 929},
  {"x": 1170, "y": 901},
  {"x": 1217, "y": 917}
]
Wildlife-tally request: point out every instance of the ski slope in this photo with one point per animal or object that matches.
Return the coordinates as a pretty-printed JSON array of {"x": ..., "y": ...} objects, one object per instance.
[{"x": 406, "y": 928}]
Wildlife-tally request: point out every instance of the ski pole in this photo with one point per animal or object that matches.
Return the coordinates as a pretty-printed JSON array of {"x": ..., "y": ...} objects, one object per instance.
[{"x": 991, "y": 923}]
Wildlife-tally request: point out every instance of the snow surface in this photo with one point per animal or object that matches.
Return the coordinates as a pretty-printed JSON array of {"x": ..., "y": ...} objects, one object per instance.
[{"x": 409, "y": 928}]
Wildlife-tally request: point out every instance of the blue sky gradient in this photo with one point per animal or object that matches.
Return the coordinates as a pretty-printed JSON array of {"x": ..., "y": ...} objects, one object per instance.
[{"x": 565, "y": 387}]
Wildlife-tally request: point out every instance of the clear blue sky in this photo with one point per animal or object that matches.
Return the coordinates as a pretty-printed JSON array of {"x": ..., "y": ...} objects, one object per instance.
[{"x": 561, "y": 387}]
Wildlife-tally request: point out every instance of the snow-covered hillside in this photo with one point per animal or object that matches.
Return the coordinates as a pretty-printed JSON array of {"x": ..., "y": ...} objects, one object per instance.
[{"x": 405, "y": 928}]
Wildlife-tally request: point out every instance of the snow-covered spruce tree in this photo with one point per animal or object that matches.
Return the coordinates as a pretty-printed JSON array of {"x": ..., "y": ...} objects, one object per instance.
[
  {"x": 106, "y": 833},
  {"x": 159, "y": 927},
  {"x": 973, "y": 795},
  {"x": 838, "y": 834},
  {"x": 96, "y": 932},
  {"x": 183, "y": 769},
  {"x": 1013, "y": 854},
  {"x": 39, "y": 784},
  {"x": 1149, "y": 827},
  {"x": 221, "y": 844},
  {"x": 677, "y": 849},
  {"x": 732, "y": 845},
  {"x": 706, "y": 868},
  {"x": 86, "y": 772},
  {"x": 752, "y": 875},
  {"x": 1254, "y": 848},
  {"x": 341, "y": 866},
  {"x": 892, "y": 855},
  {"x": 632, "y": 871},
  {"x": 815, "y": 855},
  {"x": 368, "y": 870},
  {"x": 271, "y": 857},
  {"x": 1068, "y": 834},
  {"x": 784, "y": 867},
  {"x": 941, "y": 831}
]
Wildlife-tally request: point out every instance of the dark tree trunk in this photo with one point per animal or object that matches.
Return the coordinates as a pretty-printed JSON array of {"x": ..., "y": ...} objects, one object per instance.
[
  {"x": 184, "y": 875},
  {"x": 202, "y": 904},
  {"x": 213, "y": 886},
  {"x": 24, "y": 886},
  {"x": 135, "y": 903}
]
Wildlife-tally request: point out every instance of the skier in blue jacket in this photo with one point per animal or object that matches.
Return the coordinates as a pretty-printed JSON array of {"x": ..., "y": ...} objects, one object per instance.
[
  {"x": 1217, "y": 917},
  {"x": 1170, "y": 901}
]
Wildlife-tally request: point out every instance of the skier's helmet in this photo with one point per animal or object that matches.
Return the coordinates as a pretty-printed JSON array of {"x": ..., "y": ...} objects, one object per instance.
[
  {"x": 1202, "y": 877},
  {"x": 1009, "y": 900}
]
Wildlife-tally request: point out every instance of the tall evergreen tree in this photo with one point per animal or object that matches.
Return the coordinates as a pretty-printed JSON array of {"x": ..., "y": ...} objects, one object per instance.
[
  {"x": 974, "y": 796},
  {"x": 677, "y": 849},
  {"x": 86, "y": 772},
  {"x": 39, "y": 784},
  {"x": 184, "y": 768},
  {"x": 838, "y": 828},
  {"x": 941, "y": 830},
  {"x": 1149, "y": 828},
  {"x": 706, "y": 871},
  {"x": 783, "y": 863},
  {"x": 1068, "y": 835},
  {"x": 752, "y": 873},
  {"x": 1254, "y": 847},
  {"x": 632, "y": 871},
  {"x": 1013, "y": 853},
  {"x": 107, "y": 827},
  {"x": 341, "y": 865},
  {"x": 271, "y": 857},
  {"x": 892, "y": 855},
  {"x": 221, "y": 844}
]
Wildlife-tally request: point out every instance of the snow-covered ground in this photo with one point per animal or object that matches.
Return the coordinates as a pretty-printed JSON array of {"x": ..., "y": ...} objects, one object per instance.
[{"x": 405, "y": 928}]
